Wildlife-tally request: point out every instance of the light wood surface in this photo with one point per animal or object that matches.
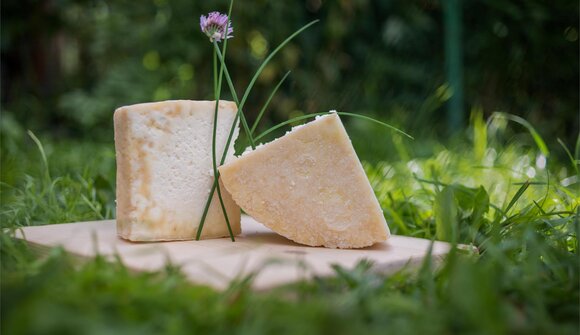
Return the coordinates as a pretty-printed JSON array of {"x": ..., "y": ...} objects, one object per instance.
[{"x": 216, "y": 262}]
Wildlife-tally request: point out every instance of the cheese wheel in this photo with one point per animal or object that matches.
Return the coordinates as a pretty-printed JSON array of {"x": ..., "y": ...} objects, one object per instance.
[
  {"x": 164, "y": 170},
  {"x": 310, "y": 187}
]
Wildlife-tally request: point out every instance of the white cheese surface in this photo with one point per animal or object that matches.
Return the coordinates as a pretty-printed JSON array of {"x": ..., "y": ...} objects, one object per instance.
[
  {"x": 164, "y": 169},
  {"x": 310, "y": 187}
]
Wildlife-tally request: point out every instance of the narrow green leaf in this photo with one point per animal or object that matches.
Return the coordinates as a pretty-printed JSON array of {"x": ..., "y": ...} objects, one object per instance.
[
  {"x": 213, "y": 147},
  {"x": 425, "y": 274},
  {"x": 268, "y": 102},
  {"x": 446, "y": 214},
  {"x": 577, "y": 230},
  {"x": 92, "y": 206},
  {"x": 206, "y": 209},
  {"x": 479, "y": 133},
  {"x": 535, "y": 135},
  {"x": 217, "y": 92},
  {"x": 398, "y": 221},
  {"x": 282, "y": 124},
  {"x": 539, "y": 207},
  {"x": 224, "y": 209},
  {"x": 577, "y": 149},
  {"x": 270, "y": 56},
  {"x": 574, "y": 161},
  {"x": 517, "y": 196},
  {"x": 307, "y": 116},
  {"x": 42, "y": 153},
  {"x": 539, "y": 183},
  {"x": 378, "y": 122},
  {"x": 235, "y": 97},
  {"x": 480, "y": 207},
  {"x": 215, "y": 73}
]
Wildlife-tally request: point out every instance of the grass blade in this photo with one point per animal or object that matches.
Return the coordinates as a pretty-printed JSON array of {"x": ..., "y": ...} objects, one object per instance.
[
  {"x": 574, "y": 161},
  {"x": 307, "y": 116},
  {"x": 224, "y": 209},
  {"x": 268, "y": 102},
  {"x": 241, "y": 104},
  {"x": 516, "y": 196},
  {"x": 42, "y": 153},
  {"x": 479, "y": 133},
  {"x": 377, "y": 122},
  {"x": 535, "y": 135},
  {"x": 270, "y": 56},
  {"x": 539, "y": 207},
  {"x": 287, "y": 122},
  {"x": 92, "y": 206},
  {"x": 235, "y": 97},
  {"x": 206, "y": 209},
  {"x": 398, "y": 221},
  {"x": 577, "y": 149},
  {"x": 446, "y": 215}
]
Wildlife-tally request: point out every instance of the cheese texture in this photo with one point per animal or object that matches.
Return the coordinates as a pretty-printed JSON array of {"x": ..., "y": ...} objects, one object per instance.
[
  {"x": 164, "y": 170},
  {"x": 310, "y": 187}
]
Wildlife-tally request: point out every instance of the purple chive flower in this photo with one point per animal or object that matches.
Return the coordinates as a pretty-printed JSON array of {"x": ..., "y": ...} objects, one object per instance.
[{"x": 214, "y": 26}]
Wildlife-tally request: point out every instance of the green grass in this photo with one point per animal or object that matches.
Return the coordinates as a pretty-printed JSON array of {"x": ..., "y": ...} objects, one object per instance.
[{"x": 486, "y": 191}]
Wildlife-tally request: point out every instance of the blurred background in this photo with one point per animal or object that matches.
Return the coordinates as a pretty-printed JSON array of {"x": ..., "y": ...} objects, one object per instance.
[
  {"x": 67, "y": 64},
  {"x": 438, "y": 69}
]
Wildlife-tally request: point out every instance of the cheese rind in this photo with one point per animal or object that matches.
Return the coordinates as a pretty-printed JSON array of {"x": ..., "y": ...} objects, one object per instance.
[
  {"x": 164, "y": 170},
  {"x": 310, "y": 187}
]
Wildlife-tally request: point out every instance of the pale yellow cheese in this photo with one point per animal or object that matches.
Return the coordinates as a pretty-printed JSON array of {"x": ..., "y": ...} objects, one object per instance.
[
  {"x": 310, "y": 187},
  {"x": 164, "y": 170}
]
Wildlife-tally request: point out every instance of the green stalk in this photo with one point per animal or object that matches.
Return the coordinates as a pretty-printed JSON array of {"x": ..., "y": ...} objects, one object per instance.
[
  {"x": 535, "y": 135},
  {"x": 268, "y": 102},
  {"x": 215, "y": 73},
  {"x": 270, "y": 56},
  {"x": 213, "y": 147},
  {"x": 214, "y": 159},
  {"x": 253, "y": 80},
  {"x": 239, "y": 114},
  {"x": 307, "y": 116},
  {"x": 217, "y": 93},
  {"x": 248, "y": 89},
  {"x": 235, "y": 97}
]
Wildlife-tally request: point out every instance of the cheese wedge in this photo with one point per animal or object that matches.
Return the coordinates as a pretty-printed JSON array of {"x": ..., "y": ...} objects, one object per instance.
[
  {"x": 164, "y": 170},
  {"x": 310, "y": 187}
]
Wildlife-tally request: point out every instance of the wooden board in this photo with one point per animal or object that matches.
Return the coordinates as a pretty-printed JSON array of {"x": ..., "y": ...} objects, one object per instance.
[{"x": 216, "y": 262}]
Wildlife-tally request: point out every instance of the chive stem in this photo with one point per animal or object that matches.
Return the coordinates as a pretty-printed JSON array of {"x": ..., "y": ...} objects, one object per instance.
[
  {"x": 307, "y": 116},
  {"x": 214, "y": 159},
  {"x": 217, "y": 92},
  {"x": 239, "y": 114},
  {"x": 270, "y": 56},
  {"x": 235, "y": 97},
  {"x": 268, "y": 102}
]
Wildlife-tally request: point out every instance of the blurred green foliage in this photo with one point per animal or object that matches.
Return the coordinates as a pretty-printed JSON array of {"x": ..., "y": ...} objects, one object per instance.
[
  {"x": 66, "y": 65},
  {"x": 517, "y": 206}
]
